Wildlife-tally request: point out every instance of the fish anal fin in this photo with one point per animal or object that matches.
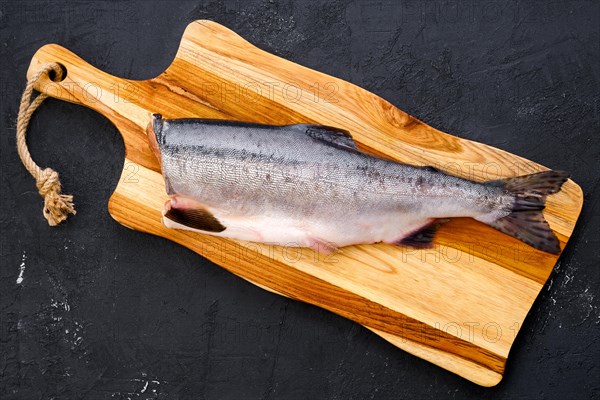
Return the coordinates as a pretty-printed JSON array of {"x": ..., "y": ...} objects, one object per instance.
[
  {"x": 197, "y": 217},
  {"x": 422, "y": 238}
]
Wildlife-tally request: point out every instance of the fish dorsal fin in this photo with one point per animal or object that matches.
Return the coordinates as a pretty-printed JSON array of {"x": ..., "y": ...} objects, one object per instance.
[{"x": 337, "y": 136}]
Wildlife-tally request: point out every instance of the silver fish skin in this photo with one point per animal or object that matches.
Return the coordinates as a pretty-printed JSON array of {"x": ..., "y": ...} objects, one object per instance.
[{"x": 309, "y": 186}]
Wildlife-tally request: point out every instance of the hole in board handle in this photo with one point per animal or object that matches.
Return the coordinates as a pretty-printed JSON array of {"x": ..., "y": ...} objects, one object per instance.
[{"x": 53, "y": 77}]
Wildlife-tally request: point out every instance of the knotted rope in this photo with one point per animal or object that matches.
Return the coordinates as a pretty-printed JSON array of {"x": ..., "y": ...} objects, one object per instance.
[{"x": 57, "y": 206}]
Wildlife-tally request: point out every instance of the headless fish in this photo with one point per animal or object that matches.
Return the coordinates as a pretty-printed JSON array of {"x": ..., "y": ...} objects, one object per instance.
[{"x": 309, "y": 186}]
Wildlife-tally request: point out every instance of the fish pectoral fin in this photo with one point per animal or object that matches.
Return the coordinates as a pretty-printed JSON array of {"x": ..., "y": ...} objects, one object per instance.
[
  {"x": 196, "y": 218},
  {"x": 329, "y": 134},
  {"x": 422, "y": 238}
]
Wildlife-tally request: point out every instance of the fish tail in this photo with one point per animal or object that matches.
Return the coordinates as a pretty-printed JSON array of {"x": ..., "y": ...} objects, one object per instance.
[{"x": 526, "y": 221}]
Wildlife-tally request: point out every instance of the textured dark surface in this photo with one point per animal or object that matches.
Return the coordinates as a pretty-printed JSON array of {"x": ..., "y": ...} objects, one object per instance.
[{"x": 106, "y": 312}]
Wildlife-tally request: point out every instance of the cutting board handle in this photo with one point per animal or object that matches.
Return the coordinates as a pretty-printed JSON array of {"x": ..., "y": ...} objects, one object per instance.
[
  {"x": 83, "y": 83},
  {"x": 128, "y": 104}
]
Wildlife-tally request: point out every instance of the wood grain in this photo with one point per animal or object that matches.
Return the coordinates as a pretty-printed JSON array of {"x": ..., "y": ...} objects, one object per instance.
[{"x": 458, "y": 305}]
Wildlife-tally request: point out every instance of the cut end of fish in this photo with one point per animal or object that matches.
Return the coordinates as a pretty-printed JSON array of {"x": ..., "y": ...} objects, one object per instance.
[
  {"x": 154, "y": 134},
  {"x": 157, "y": 124}
]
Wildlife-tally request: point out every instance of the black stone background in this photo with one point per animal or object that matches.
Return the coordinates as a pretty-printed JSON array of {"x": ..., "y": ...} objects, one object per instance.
[{"x": 105, "y": 312}]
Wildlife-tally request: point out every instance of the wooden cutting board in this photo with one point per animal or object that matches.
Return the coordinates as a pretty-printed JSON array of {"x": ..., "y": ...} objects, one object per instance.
[{"x": 458, "y": 305}]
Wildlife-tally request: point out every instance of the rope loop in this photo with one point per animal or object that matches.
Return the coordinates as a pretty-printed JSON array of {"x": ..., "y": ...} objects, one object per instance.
[{"x": 57, "y": 206}]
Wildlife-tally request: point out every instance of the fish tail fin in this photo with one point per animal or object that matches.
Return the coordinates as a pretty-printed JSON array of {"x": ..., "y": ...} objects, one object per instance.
[{"x": 526, "y": 221}]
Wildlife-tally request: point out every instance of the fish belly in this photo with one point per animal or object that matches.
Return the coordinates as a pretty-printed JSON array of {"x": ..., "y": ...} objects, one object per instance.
[{"x": 321, "y": 234}]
